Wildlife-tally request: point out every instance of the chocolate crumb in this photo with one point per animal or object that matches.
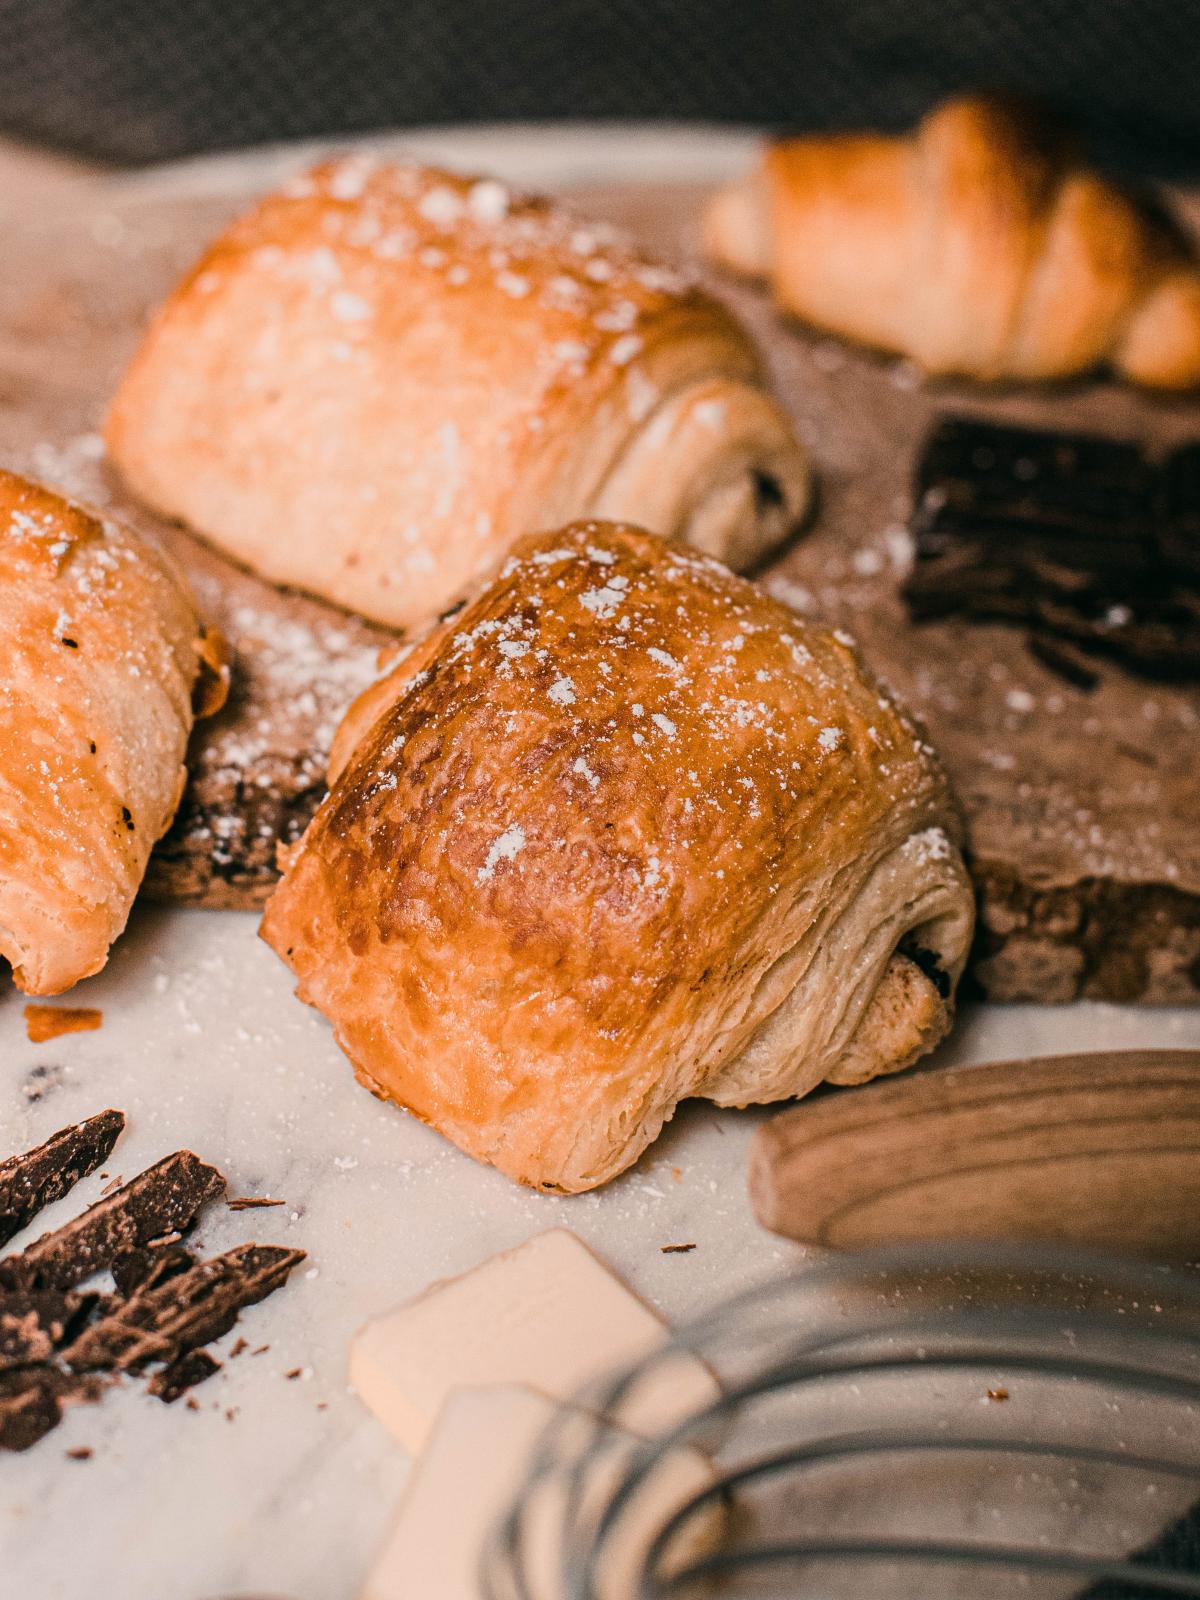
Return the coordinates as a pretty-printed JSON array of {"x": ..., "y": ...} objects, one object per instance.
[
  {"x": 247, "y": 1202},
  {"x": 191, "y": 1404},
  {"x": 294, "y": 1373},
  {"x": 997, "y": 1394},
  {"x": 238, "y": 1348},
  {"x": 676, "y": 1249},
  {"x": 80, "y": 1453},
  {"x": 261, "y": 1351}
]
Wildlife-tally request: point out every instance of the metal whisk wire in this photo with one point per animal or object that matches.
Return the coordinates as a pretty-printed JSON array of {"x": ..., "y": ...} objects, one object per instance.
[{"x": 1087, "y": 1336}]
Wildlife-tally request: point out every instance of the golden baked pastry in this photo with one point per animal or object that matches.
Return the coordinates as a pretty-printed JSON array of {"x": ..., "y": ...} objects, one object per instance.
[
  {"x": 100, "y": 649},
  {"x": 976, "y": 245},
  {"x": 624, "y": 831},
  {"x": 380, "y": 378}
]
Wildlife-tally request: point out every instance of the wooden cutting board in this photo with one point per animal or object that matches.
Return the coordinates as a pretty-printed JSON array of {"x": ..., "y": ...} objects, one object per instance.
[{"x": 1082, "y": 807}]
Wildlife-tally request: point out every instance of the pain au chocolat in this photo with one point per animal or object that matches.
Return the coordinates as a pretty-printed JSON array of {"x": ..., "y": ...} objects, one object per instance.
[
  {"x": 382, "y": 376},
  {"x": 100, "y": 652},
  {"x": 622, "y": 832}
]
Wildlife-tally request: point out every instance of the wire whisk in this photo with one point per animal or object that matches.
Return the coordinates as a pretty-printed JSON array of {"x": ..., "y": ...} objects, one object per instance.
[{"x": 913, "y": 1422}]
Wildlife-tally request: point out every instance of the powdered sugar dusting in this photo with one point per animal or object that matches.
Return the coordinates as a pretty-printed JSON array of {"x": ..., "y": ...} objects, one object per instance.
[{"x": 506, "y": 848}]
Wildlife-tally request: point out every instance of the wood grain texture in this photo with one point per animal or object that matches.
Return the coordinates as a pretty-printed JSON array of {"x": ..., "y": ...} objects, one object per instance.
[
  {"x": 1101, "y": 1149},
  {"x": 1081, "y": 806}
]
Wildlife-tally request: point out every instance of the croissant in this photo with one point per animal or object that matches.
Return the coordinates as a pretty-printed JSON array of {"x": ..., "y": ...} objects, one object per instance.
[
  {"x": 380, "y": 378},
  {"x": 623, "y": 831},
  {"x": 100, "y": 650},
  {"x": 977, "y": 245}
]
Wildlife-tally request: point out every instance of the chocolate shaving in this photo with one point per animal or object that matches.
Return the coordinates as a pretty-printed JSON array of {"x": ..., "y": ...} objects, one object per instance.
[
  {"x": 248, "y": 1202},
  {"x": 201, "y": 1304},
  {"x": 676, "y": 1249},
  {"x": 1081, "y": 539},
  {"x": 182, "y": 1374},
  {"x": 165, "y": 1197},
  {"x": 34, "y": 1180}
]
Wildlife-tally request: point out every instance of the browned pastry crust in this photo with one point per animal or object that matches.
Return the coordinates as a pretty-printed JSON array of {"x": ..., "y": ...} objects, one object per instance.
[
  {"x": 624, "y": 831},
  {"x": 384, "y": 374},
  {"x": 976, "y": 245},
  {"x": 100, "y": 649}
]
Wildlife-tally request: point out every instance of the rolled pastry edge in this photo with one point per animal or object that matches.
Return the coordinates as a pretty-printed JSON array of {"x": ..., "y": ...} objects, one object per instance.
[
  {"x": 715, "y": 465},
  {"x": 900, "y": 1008}
]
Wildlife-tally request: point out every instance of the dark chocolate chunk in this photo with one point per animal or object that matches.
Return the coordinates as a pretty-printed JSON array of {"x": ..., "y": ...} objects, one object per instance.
[
  {"x": 925, "y": 961},
  {"x": 33, "y": 1326},
  {"x": 200, "y": 1304},
  {"x": 29, "y": 1406},
  {"x": 167, "y": 1196},
  {"x": 149, "y": 1266},
  {"x": 31, "y": 1402},
  {"x": 1083, "y": 540},
  {"x": 32, "y": 1181},
  {"x": 182, "y": 1374}
]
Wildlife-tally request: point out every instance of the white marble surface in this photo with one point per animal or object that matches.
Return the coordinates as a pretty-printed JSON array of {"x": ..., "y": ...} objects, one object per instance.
[{"x": 203, "y": 1045}]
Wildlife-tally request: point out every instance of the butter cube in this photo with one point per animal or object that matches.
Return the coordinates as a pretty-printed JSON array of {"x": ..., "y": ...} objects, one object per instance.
[{"x": 549, "y": 1315}]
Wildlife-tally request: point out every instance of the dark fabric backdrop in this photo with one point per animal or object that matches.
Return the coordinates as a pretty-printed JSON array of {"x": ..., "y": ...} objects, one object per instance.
[{"x": 142, "y": 80}]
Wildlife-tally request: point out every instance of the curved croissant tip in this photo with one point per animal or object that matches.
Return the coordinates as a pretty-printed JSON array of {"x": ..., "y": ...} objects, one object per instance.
[
  {"x": 735, "y": 229},
  {"x": 1161, "y": 347}
]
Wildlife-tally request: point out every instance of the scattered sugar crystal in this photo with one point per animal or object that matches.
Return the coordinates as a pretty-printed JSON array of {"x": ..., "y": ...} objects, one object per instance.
[
  {"x": 348, "y": 307},
  {"x": 710, "y": 414},
  {"x": 441, "y": 206},
  {"x": 513, "y": 284},
  {"x": 488, "y": 200},
  {"x": 604, "y": 601},
  {"x": 931, "y": 844}
]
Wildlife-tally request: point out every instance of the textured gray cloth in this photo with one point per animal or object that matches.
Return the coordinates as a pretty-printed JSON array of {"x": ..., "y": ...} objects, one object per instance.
[{"x": 139, "y": 80}]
